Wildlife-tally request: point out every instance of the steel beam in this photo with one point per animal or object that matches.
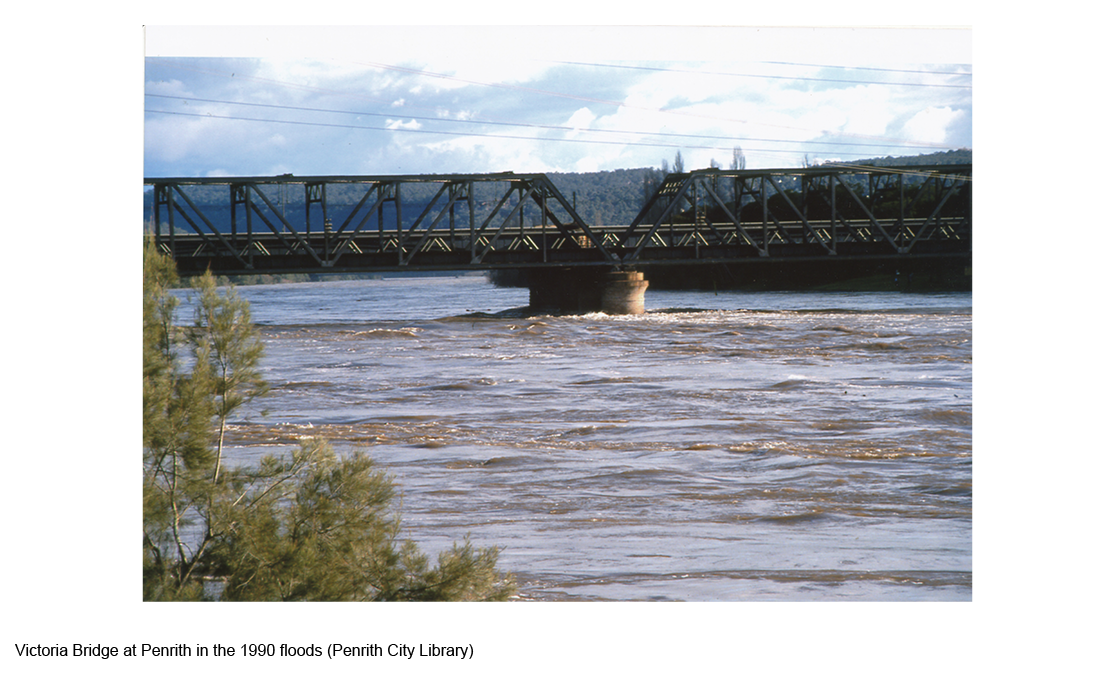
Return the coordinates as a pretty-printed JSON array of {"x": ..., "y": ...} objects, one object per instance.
[{"x": 770, "y": 214}]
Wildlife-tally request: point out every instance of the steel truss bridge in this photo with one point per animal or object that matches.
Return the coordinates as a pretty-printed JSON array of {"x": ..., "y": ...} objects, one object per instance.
[{"x": 359, "y": 224}]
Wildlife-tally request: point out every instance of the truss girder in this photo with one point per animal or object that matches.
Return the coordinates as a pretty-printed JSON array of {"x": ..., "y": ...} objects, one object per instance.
[
  {"x": 489, "y": 220},
  {"x": 771, "y": 212},
  {"x": 666, "y": 200},
  {"x": 165, "y": 198},
  {"x": 450, "y": 220},
  {"x": 340, "y": 244}
]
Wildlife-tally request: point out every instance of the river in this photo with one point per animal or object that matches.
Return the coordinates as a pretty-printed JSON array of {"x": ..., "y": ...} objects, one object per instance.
[{"x": 783, "y": 446}]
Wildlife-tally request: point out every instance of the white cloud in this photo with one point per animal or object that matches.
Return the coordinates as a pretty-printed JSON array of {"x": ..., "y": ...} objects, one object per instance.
[
  {"x": 705, "y": 107},
  {"x": 172, "y": 87},
  {"x": 172, "y": 139},
  {"x": 587, "y": 164},
  {"x": 396, "y": 124},
  {"x": 316, "y": 77},
  {"x": 580, "y": 120},
  {"x": 930, "y": 125}
]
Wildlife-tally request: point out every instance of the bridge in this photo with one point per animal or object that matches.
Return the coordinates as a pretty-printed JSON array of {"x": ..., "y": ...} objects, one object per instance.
[{"x": 522, "y": 222}]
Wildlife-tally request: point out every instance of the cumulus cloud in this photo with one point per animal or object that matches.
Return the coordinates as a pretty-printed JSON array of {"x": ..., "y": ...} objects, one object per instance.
[
  {"x": 173, "y": 87},
  {"x": 930, "y": 125},
  {"x": 581, "y": 119},
  {"x": 312, "y": 112},
  {"x": 396, "y": 124},
  {"x": 586, "y": 165}
]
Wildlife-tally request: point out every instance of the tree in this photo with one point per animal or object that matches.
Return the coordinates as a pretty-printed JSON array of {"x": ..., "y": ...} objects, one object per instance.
[
  {"x": 336, "y": 540},
  {"x": 739, "y": 162},
  {"x": 177, "y": 416},
  {"x": 225, "y": 341},
  {"x": 651, "y": 181},
  {"x": 679, "y": 163},
  {"x": 715, "y": 165},
  {"x": 303, "y": 526}
]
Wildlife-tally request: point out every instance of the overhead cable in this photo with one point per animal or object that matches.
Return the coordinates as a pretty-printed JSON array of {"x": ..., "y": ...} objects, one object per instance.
[
  {"x": 465, "y": 135},
  {"x": 897, "y": 144}
]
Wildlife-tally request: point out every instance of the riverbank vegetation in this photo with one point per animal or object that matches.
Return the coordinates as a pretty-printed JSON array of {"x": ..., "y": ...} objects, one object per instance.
[{"x": 308, "y": 525}]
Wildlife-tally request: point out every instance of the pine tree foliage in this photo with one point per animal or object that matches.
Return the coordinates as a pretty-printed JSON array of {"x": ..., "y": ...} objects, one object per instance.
[
  {"x": 177, "y": 428},
  {"x": 226, "y": 346},
  {"x": 329, "y": 536},
  {"x": 308, "y": 525}
]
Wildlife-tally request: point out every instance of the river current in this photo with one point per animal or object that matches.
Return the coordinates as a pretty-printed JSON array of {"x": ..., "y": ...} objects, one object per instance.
[{"x": 721, "y": 447}]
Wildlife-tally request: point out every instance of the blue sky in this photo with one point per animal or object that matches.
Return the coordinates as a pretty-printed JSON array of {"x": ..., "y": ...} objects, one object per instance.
[{"x": 446, "y": 99}]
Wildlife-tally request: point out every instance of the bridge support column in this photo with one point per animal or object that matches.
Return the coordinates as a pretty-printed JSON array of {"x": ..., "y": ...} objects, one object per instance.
[
  {"x": 587, "y": 290},
  {"x": 622, "y": 293}
]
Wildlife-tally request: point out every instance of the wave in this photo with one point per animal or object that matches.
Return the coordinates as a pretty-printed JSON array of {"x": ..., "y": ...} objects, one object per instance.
[
  {"x": 948, "y": 416},
  {"x": 792, "y": 383},
  {"x": 299, "y": 385},
  {"x": 498, "y": 462},
  {"x": 517, "y": 313},
  {"x": 792, "y": 519},
  {"x": 474, "y": 384},
  {"x": 382, "y": 333},
  {"x": 669, "y": 311},
  {"x": 959, "y": 490},
  {"x": 835, "y": 328}
]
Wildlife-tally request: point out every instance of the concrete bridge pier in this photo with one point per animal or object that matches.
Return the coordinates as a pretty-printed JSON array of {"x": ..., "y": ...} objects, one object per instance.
[
  {"x": 587, "y": 290},
  {"x": 621, "y": 293}
]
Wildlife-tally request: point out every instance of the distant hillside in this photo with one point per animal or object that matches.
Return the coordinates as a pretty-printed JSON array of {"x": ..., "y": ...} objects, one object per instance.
[
  {"x": 604, "y": 197},
  {"x": 934, "y": 159}
]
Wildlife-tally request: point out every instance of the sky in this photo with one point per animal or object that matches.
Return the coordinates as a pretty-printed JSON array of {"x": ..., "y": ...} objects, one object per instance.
[{"x": 388, "y": 100}]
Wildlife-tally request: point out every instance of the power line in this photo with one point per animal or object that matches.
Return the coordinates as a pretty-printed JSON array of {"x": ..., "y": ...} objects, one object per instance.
[
  {"x": 857, "y": 67},
  {"x": 466, "y": 135},
  {"x": 427, "y": 131},
  {"x": 535, "y": 126},
  {"x": 618, "y": 104}
]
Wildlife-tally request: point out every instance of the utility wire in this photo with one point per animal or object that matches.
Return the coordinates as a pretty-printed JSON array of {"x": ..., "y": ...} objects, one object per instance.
[
  {"x": 859, "y": 67},
  {"x": 617, "y": 104},
  {"x": 465, "y": 135},
  {"x": 528, "y": 125}
]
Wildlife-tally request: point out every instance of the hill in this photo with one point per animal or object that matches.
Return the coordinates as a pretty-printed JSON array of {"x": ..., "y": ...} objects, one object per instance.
[{"x": 935, "y": 159}]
